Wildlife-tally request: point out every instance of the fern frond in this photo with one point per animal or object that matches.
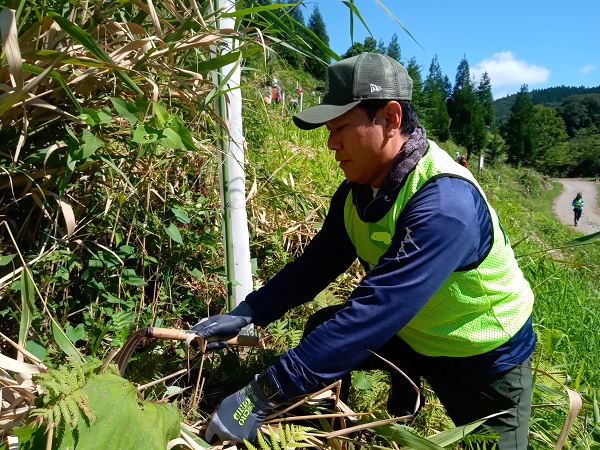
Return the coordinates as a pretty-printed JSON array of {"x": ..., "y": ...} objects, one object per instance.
[
  {"x": 288, "y": 436},
  {"x": 275, "y": 439},
  {"x": 64, "y": 398}
]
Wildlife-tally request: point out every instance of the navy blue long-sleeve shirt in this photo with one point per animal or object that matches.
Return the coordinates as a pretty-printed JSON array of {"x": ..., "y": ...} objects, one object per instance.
[{"x": 450, "y": 229}]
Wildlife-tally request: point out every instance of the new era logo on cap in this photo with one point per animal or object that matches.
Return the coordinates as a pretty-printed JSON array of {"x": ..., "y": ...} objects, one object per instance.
[{"x": 375, "y": 88}]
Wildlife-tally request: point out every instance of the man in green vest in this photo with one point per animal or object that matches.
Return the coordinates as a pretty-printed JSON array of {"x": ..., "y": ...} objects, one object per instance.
[{"x": 442, "y": 297}]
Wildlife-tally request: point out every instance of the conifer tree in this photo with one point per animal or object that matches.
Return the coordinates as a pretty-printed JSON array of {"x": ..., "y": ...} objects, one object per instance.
[
  {"x": 293, "y": 57},
  {"x": 393, "y": 48},
  {"x": 418, "y": 98},
  {"x": 370, "y": 44},
  {"x": 435, "y": 115},
  {"x": 315, "y": 67},
  {"x": 519, "y": 132},
  {"x": 467, "y": 126},
  {"x": 486, "y": 99},
  {"x": 381, "y": 48}
]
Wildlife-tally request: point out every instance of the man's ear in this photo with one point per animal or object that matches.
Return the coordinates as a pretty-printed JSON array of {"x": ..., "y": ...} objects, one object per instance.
[{"x": 393, "y": 117}]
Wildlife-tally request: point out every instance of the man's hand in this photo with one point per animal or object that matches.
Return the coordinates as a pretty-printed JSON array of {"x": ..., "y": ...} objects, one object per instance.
[
  {"x": 224, "y": 326},
  {"x": 240, "y": 415}
]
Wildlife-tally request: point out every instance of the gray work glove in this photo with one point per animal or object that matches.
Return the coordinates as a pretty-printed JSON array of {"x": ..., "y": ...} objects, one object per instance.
[
  {"x": 240, "y": 415},
  {"x": 225, "y": 326}
]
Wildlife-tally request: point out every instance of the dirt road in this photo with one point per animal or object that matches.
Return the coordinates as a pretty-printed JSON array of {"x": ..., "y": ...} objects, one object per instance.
[{"x": 590, "y": 219}]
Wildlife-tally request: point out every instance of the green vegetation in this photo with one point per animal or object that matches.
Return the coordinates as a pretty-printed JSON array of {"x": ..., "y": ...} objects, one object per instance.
[{"x": 110, "y": 222}]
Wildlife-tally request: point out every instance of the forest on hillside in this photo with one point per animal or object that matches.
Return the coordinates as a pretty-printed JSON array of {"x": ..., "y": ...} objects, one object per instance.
[{"x": 556, "y": 130}]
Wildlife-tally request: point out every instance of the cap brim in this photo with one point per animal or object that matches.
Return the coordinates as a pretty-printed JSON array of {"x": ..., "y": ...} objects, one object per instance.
[{"x": 317, "y": 115}]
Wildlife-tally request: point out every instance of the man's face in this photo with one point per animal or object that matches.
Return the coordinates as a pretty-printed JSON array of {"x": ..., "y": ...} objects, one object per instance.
[{"x": 360, "y": 146}]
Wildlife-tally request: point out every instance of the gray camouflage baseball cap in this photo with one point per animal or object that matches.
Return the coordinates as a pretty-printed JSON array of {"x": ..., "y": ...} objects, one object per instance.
[{"x": 368, "y": 76}]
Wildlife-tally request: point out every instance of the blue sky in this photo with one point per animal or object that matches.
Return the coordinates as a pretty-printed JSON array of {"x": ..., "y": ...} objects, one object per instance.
[{"x": 539, "y": 43}]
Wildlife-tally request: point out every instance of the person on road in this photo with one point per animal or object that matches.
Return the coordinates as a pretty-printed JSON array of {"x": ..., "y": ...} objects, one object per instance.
[
  {"x": 454, "y": 311},
  {"x": 577, "y": 204}
]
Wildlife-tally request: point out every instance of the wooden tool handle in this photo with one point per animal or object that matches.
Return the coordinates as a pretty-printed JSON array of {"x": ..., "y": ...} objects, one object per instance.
[{"x": 183, "y": 335}]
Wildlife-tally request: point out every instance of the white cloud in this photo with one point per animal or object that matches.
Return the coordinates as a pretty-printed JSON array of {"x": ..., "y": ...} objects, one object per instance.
[
  {"x": 507, "y": 73},
  {"x": 588, "y": 68}
]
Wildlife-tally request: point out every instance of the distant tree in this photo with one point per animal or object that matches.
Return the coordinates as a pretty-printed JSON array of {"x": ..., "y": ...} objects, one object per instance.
[
  {"x": 447, "y": 87},
  {"x": 381, "y": 48},
  {"x": 486, "y": 100},
  {"x": 468, "y": 125},
  {"x": 393, "y": 48},
  {"x": 436, "y": 118},
  {"x": 551, "y": 138},
  {"x": 585, "y": 148},
  {"x": 495, "y": 148},
  {"x": 294, "y": 58},
  {"x": 519, "y": 131},
  {"x": 295, "y": 11},
  {"x": 369, "y": 45},
  {"x": 580, "y": 111},
  {"x": 418, "y": 98},
  {"x": 316, "y": 68},
  {"x": 355, "y": 49}
]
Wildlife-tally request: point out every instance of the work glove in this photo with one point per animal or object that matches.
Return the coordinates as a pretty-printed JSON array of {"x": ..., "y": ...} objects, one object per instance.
[
  {"x": 225, "y": 326},
  {"x": 240, "y": 415}
]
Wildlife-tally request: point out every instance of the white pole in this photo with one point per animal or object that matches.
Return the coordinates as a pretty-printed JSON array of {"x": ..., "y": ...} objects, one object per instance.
[
  {"x": 301, "y": 97},
  {"x": 481, "y": 163},
  {"x": 231, "y": 175}
]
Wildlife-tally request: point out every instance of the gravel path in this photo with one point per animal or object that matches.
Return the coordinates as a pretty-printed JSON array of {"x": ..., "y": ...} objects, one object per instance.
[{"x": 590, "y": 218}]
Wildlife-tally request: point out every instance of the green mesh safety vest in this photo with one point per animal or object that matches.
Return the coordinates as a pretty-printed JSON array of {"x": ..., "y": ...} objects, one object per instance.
[{"x": 474, "y": 311}]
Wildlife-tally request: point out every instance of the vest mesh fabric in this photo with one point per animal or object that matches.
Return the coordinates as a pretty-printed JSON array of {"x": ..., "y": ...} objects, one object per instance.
[{"x": 474, "y": 311}]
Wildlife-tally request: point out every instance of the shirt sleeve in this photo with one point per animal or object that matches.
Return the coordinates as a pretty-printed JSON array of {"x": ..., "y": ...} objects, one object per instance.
[
  {"x": 444, "y": 227},
  {"x": 328, "y": 255}
]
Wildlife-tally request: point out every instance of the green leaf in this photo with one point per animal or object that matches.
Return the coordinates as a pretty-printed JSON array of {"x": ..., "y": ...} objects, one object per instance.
[
  {"x": 145, "y": 134},
  {"x": 215, "y": 63},
  {"x": 88, "y": 147},
  {"x": 93, "y": 117},
  {"x": 184, "y": 136},
  {"x": 408, "y": 439},
  {"x": 131, "y": 278},
  {"x": 584, "y": 239},
  {"x": 194, "y": 438},
  {"x": 453, "y": 435},
  {"x": 27, "y": 304},
  {"x": 36, "y": 348},
  {"x": 162, "y": 115},
  {"x": 360, "y": 381},
  {"x": 64, "y": 343},
  {"x": 127, "y": 110},
  {"x": 124, "y": 251},
  {"x": 196, "y": 274},
  {"x": 121, "y": 421},
  {"x": 174, "y": 233},
  {"x": 354, "y": 11},
  {"x": 5, "y": 259},
  {"x": 76, "y": 334},
  {"x": 171, "y": 139},
  {"x": 180, "y": 215},
  {"x": 61, "y": 272}
]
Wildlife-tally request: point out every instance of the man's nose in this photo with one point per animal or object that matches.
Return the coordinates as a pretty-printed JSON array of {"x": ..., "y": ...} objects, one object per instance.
[{"x": 333, "y": 142}]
